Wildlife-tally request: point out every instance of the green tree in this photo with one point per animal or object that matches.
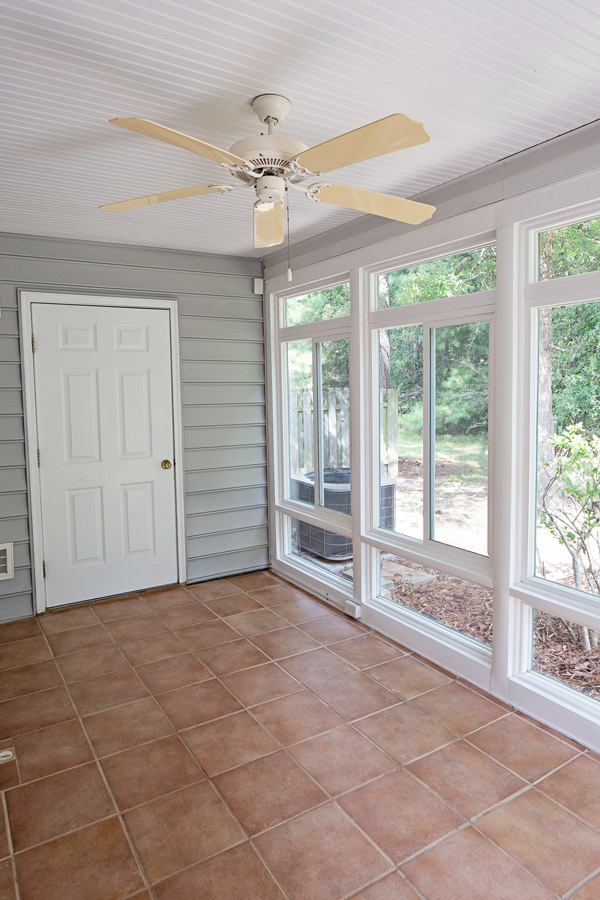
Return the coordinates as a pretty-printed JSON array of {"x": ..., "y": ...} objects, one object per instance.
[
  {"x": 569, "y": 504},
  {"x": 570, "y": 251},
  {"x": 317, "y": 306},
  {"x": 461, "y": 353}
]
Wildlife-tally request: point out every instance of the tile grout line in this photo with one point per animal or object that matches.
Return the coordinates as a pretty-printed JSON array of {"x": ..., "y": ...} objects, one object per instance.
[
  {"x": 248, "y": 838},
  {"x": 516, "y": 861},
  {"x": 209, "y": 778},
  {"x": 68, "y": 833},
  {"x": 585, "y": 881},
  {"x": 119, "y": 815},
  {"x": 11, "y": 849},
  {"x": 226, "y": 805},
  {"x": 350, "y": 723},
  {"x": 504, "y": 766},
  {"x": 575, "y": 815},
  {"x": 468, "y": 822},
  {"x": 330, "y": 799}
]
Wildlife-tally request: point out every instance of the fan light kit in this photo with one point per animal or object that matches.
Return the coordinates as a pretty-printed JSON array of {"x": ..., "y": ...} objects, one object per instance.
[{"x": 272, "y": 165}]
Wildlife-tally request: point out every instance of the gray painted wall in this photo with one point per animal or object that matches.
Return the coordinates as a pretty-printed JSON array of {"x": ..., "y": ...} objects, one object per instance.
[{"x": 222, "y": 373}]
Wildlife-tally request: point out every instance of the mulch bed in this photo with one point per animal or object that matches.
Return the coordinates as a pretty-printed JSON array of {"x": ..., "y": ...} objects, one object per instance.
[
  {"x": 467, "y": 607},
  {"x": 558, "y": 654},
  {"x": 451, "y": 601}
]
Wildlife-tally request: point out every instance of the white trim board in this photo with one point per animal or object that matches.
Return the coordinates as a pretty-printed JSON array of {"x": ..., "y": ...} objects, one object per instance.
[
  {"x": 535, "y": 168},
  {"x": 26, "y": 299}
]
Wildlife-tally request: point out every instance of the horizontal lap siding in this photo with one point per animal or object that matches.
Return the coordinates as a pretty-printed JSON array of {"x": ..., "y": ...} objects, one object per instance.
[
  {"x": 15, "y": 593},
  {"x": 223, "y": 394},
  {"x": 222, "y": 387}
]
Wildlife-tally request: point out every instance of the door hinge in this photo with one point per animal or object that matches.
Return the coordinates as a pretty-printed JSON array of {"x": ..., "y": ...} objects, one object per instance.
[
  {"x": 44, "y": 568},
  {"x": 38, "y": 458},
  {"x": 32, "y": 344}
]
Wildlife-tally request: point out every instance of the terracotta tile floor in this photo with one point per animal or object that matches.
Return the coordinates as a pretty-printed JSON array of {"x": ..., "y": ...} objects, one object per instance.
[{"x": 239, "y": 740}]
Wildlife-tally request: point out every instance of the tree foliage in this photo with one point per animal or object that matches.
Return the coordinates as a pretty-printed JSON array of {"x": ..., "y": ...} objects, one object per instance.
[
  {"x": 317, "y": 306},
  {"x": 569, "y": 505},
  {"x": 448, "y": 276},
  {"x": 570, "y": 348},
  {"x": 569, "y": 410},
  {"x": 575, "y": 362},
  {"x": 461, "y": 351},
  {"x": 570, "y": 250}
]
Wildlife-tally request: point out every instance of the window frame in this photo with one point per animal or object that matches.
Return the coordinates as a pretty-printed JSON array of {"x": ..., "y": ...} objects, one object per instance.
[
  {"x": 513, "y": 223},
  {"x": 283, "y": 506},
  {"x": 457, "y": 310},
  {"x": 540, "y": 695},
  {"x": 584, "y": 213},
  {"x": 566, "y": 290}
]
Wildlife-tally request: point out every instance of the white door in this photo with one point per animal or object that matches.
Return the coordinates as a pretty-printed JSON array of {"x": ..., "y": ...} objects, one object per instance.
[{"x": 105, "y": 424}]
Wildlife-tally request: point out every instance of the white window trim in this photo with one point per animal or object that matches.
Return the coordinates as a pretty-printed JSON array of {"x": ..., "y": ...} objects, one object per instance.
[
  {"x": 564, "y": 291},
  {"x": 431, "y": 549},
  {"x": 456, "y": 652},
  {"x": 281, "y": 505},
  {"x": 514, "y": 222}
]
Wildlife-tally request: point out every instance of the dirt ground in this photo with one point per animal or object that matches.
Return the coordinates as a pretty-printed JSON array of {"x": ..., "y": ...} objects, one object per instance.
[
  {"x": 461, "y": 520},
  {"x": 557, "y": 652},
  {"x": 460, "y": 604},
  {"x": 460, "y": 515},
  {"x": 467, "y": 607}
]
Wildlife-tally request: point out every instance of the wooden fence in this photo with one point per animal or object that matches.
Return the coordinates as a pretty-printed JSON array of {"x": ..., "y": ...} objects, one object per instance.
[{"x": 336, "y": 430}]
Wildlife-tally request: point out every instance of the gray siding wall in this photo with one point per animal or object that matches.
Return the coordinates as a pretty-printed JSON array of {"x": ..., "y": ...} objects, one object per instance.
[{"x": 222, "y": 374}]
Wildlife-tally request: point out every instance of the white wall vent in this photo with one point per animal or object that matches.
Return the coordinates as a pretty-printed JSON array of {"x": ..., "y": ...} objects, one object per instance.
[
  {"x": 7, "y": 565},
  {"x": 352, "y": 609}
]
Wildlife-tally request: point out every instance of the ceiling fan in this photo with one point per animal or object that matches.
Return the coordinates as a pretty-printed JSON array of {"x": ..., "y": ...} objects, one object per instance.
[{"x": 272, "y": 164}]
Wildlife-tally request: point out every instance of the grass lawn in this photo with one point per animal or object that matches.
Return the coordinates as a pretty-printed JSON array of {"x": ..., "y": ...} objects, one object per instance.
[{"x": 463, "y": 456}]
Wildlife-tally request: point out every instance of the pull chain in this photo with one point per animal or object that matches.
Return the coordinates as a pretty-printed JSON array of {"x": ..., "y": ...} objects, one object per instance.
[{"x": 289, "y": 269}]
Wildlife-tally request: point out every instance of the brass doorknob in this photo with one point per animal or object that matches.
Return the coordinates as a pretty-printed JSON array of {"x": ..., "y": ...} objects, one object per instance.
[{"x": 166, "y": 464}]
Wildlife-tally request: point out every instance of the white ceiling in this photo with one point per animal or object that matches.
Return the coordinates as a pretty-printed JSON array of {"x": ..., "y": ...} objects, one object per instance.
[{"x": 487, "y": 77}]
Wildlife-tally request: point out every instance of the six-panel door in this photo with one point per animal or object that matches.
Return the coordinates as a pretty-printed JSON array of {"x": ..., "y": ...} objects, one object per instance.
[{"x": 104, "y": 406}]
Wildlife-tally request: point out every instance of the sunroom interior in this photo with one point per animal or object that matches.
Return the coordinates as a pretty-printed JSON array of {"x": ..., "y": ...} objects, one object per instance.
[{"x": 352, "y": 650}]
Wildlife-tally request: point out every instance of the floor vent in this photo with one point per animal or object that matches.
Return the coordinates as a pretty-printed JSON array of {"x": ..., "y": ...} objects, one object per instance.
[{"x": 7, "y": 568}]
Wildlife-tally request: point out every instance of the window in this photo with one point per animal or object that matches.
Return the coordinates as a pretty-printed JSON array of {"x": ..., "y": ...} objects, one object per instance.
[
  {"x": 299, "y": 366},
  {"x": 460, "y": 355},
  {"x": 457, "y": 409},
  {"x": 334, "y": 396},
  {"x": 440, "y": 374},
  {"x": 561, "y": 602},
  {"x": 401, "y": 430},
  {"x": 317, "y": 306},
  {"x": 567, "y": 547},
  {"x": 315, "y": 363},
  {"x": 319, "y": 546},
  {"x": 459, "y": 604},
  {"x": 567, "y": 652},
  {"x": 571, "y": 250},
  {"x": 448, "y": 276},
  {"x": 329, "y": 420}
]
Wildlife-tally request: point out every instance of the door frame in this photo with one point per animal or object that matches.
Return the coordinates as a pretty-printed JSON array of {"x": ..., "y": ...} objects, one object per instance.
[{"x": 26, "y": 300}]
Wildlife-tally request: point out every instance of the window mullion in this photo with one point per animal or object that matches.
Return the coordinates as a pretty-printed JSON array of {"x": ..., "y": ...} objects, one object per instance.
[
  {"x": 318, "y": 423},
  {"x": 428, "y": 432}
]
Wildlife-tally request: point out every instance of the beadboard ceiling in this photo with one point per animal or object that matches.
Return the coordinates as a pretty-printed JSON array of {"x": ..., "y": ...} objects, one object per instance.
[{"x": 487, "y": 78}]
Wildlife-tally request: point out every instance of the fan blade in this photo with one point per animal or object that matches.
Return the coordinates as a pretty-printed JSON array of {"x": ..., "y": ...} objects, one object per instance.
[
  {"x": 268, "y": 225},
  {"x": 177, "y": 139},
  {"x": 395, "y": 132},
  {"x": 408, "y": 211},
  {"x": 151, "y": 199}
]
